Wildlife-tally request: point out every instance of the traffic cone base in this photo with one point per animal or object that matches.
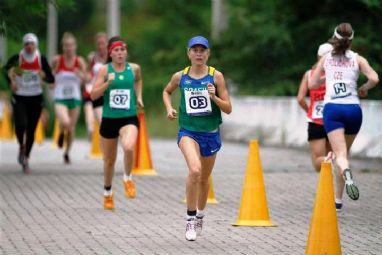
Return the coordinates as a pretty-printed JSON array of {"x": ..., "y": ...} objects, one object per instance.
[
  {"x": 140, "y": 171},
  {"x": 255, "y": 223}
]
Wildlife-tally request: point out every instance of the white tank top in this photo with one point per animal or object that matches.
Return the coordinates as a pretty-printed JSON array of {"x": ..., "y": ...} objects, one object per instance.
[
  {"x": 68, "y": 84},
  {"x": 341, "y": 78}
]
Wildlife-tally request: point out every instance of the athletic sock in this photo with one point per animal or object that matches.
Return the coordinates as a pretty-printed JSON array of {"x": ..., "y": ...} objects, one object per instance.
[
  {"x": 338, "y": 201},
  {"x": 199, "y": 214},
  {"x": 127, "y": 177},
  {"x": 107, "y": 191},
  {"x": 191, "y": 215}
]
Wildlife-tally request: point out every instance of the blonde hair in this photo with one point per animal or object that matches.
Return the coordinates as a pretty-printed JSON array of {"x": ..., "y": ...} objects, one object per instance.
[
  {"x": 101, "y": 34},
  {"x": 68, "y": 36}
]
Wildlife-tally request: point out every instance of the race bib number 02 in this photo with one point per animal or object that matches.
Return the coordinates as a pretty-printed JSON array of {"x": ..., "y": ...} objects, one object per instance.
[
  {"x": 198, "y": 102},
  {"x": 318, "y": 109},
  {"x": 340, "y": 90},
  {"x": 120, "y": 99}
]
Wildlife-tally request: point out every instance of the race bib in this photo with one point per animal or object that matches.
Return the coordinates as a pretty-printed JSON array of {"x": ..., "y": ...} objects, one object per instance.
[
  {"x": 340, "y": 90},
  {"x": 120, "y": 99},
  {"x": 198, "y": 102},
  {"x": 29, "y": 79},
  {"x": 67, "y": 92},
  {"x": 318, "y": 109}
]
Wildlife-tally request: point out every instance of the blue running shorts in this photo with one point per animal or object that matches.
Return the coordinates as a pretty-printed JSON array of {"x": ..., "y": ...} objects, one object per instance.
[
  {"x": 346, "y": 116},
  {"x": 209, "y": 143}
]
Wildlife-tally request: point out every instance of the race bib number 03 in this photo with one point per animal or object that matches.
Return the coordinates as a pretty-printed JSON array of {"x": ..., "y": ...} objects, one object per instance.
[
  {"x": 120, "y": 99},
  {"x": 198, "y": 102},
  {"x": 318, "y": 109},
  {"x": 340, "y": 90}
]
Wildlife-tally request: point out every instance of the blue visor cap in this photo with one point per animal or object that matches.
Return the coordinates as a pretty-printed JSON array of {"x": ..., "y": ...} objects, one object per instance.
[{"x": 198, "y": 40}]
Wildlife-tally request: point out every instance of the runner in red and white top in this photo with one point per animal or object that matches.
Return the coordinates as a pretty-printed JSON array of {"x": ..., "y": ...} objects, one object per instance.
[
  {"x": 26, "y": 74},
  {"x": 70, "y": 71},
  {"x": 93, "y": 109},
  {"x": 318, "y": 141}
]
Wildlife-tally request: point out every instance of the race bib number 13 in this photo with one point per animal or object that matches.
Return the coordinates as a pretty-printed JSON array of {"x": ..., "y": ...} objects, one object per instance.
[
  {"x": 120, "y": 99},
  {"x": 198, "y": 102}
]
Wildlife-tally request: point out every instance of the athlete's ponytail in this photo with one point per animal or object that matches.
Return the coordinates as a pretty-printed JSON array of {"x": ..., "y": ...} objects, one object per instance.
[
  {"x": 110, "y": 43},
  {"x": 342, "y": 38}
]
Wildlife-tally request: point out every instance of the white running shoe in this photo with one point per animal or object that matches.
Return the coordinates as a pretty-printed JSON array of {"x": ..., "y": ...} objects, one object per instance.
[
  {"x": 199, "y": 225},
  {"x": 191, "y": 230}
]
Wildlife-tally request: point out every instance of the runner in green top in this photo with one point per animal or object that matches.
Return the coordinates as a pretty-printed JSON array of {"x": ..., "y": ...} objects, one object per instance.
[
  {"x": 203, "y": 96},
  {"x": 120, "y": 85}
]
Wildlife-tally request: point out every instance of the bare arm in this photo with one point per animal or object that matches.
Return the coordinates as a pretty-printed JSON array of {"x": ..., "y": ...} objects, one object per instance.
[
  {"x": 222, "y": 101},
  {"x": 100, "y": 84},
  {"x": 138, "y": 83},
  {"x": 81, "y": 71},
  {"x": 316, "y": 79},
  {"x": 302, "y": 91},
  {"x": 371, "y": 75},
  {"x": 171, "y": 87},
  {"x": 55, "y": 64}
]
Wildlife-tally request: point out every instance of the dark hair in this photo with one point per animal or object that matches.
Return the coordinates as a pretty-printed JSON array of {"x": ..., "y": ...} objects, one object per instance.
[
  {"x": 110, "y": 42},
  {"x": 340, "y": 45}
]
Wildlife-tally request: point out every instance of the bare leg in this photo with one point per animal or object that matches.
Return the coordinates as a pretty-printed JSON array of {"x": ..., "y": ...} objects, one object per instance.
[
  {"x": 73, "y": 114},
  {"x": 191, "y": 153},
  {"x": 203, "y": 185},
  {"x": 317, "y": 151},
  {"x": 89, "y": 117},
  {"x": 128, "y": 136},
  {"x": 109, "y": 157}
]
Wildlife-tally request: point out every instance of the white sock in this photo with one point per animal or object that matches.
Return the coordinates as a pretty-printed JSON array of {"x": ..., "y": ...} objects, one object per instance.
[
  {"x": 107, "y": 192},
  {"x": 127, "y": 177},
  {"x": 191, "y": 217},
  {"x": 338, "y": 201},
  {"x": 200, "y": 213}
]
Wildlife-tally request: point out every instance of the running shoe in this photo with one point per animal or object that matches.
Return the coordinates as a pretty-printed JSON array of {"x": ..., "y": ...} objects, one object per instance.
[
  {"x": 66, "y": 158},
  {"x": 199, "y": 225},
  {"x": 25, "y": 165},
  {"x": 60, "y": 141},
  {"x": 351, "y": 188},
  {"x": 130, "y": 191},
  {"x": 191, "y": 229},
  {"x": 108, "y": 202}
]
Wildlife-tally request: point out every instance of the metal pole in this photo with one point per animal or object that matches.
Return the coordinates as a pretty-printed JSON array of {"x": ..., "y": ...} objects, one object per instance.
[
  {"x": 113, "y": 18},
  {"x": 3, "y": 49},
  {"x": 219, "y": 18},
  {"x": 52, "y": 32}
]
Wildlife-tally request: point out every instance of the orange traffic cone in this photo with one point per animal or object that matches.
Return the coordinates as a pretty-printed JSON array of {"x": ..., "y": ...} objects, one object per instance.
[
  {"x": 253, "y": 208},
  {"x": 39, "y": 133},
  {"x": 6, "y": 130},
  {"x": 142, "y": 162},
  {"x": 211, "y": 194},
  {"x": 95, "y": 151},
  {"x": 323, "y": 235}
]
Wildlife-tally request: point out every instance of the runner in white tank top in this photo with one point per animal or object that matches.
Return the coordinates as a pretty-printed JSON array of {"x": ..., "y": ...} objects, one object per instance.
[
  {"x": 70, "y": 75},
  {"x": 342, "y": 113}
]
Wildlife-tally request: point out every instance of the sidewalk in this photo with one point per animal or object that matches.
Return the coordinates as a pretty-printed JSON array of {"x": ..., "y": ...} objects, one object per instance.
[{"x": 58, "y": 209}]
